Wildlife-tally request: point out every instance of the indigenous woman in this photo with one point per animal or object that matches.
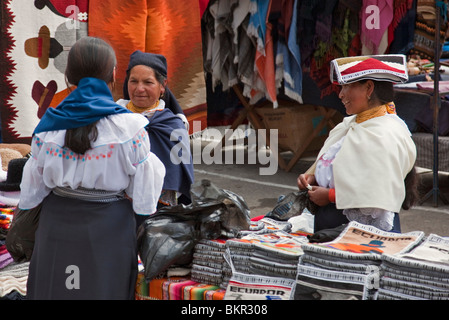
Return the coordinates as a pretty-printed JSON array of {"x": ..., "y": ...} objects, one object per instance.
[
  {"x": 363, "y": 171},
  {"x": 146, "y": 92},
  {"x": 92, "y": 169}
]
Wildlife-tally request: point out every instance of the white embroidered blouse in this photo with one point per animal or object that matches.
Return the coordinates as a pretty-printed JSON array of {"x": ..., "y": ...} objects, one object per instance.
[{"x": 120, "y": 159}]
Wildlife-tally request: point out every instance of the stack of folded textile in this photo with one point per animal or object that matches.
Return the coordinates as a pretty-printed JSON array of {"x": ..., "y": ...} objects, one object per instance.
[
  {"x": 240, "y": 251},
  {"x": 176, "y": 288},
  {"x": 241, "y": 248},
  {"x": 273, "y": 254},
  {"x": 11, "y": 286},
  {"x": 207, "y": 264},
  {"x": 421, "y": 274},
  {"x": 202, "y": 291},
  {"x": 348, "y": 267},
  {"x": 5, "y": 256},
  {"x": 13, "y": 281},
  {"x": 277, "y": 254}
]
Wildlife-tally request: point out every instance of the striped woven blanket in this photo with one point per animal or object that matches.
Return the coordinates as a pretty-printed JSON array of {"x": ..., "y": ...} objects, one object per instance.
[{"x": 176, "y": 288}]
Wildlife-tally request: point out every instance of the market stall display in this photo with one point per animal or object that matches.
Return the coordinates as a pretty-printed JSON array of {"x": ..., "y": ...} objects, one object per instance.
[{"x": 273, "y": 58}]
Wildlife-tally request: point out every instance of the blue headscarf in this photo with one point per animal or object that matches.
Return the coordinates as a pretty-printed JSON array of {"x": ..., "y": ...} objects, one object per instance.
[{"x": 89, "y": 102}]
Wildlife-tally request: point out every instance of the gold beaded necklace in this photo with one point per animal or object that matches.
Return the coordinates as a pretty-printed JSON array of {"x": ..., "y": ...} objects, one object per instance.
[
  {"x": 130, "y": 106},
  {"x": 379, "y": 111}
]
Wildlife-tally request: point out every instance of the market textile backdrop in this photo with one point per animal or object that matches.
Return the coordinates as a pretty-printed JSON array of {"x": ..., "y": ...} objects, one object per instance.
[
  {"x": 35, "y": 39},
  {"x": 171, "y": 28},
  {"x": 37, "y": 35}
]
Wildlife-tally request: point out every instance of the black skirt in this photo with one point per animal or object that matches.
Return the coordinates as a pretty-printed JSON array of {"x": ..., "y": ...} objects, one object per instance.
[
  {"x": 329, "y": 217},
  {"x": 84, "y": 250}
]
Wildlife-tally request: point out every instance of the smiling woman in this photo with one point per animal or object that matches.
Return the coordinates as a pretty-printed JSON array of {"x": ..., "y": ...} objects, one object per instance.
[
  {"x": 366, "y": 96},
  {"x": 146, "y": 92},
  {"x": 354, "y": 96},
  {"x": 365, "y": 170},
  {"x": 144, "y": 88}
]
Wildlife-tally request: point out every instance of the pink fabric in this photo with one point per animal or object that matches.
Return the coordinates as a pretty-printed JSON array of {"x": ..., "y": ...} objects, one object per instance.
[{"x": 370, "y": 36}]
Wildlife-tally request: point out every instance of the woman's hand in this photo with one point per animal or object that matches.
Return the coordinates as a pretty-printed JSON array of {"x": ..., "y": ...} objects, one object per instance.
[
  {"x": 319, "y": 196},
  {"x": 305, "y": 180}
]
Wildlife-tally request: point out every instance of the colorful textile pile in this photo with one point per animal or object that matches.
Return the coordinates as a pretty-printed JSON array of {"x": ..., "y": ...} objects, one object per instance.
[
  {"x": 421, "y": 274},
  {"x": 176, "y": 288},
  {"x": 269, "y": 250},
  {"x": 348, "y": 267},
  {"x": 362, "y": 263},
  {"x": 13, "y": 275},
  {"x": 6, "y": 215}
]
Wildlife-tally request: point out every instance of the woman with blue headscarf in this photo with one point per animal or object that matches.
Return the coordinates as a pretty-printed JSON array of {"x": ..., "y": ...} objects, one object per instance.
[{"x": 145, "y": 91}]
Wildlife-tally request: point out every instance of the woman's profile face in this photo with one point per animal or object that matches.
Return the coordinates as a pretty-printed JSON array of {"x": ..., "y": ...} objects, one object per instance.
[
  {"x": 143, "y": 88},
  {"x": 354, "y": 97}
]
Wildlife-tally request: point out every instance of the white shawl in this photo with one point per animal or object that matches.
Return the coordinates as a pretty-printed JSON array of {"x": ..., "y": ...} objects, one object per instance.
[{"x": 370, "y": 168}]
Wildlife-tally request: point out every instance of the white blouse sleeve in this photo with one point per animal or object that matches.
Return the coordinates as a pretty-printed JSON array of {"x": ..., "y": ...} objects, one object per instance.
[
  {"x": 131, "y": 166},
  {"x": 147, "y": 176},
  {"x": 32, "y": 188}
]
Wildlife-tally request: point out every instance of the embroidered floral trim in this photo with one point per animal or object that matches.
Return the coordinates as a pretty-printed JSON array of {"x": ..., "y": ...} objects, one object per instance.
[
  {"x": 139, "y": 138},
  {"x": 70, "y": 155},
  {"x": 93, "y": 154}
]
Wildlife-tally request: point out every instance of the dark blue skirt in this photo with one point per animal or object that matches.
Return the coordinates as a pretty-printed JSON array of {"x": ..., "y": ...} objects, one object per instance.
[{"x": 84, "y": 250}]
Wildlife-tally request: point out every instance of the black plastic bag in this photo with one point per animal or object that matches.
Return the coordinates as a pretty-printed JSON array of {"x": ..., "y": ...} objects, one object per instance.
[
  {"x": 291, "y": 205},
  {"x": 168, "y": 237},
  {"x": 21, "y": 233},
  {"x": 237, "y": 212},
  {"x": 326, "y": 235}
]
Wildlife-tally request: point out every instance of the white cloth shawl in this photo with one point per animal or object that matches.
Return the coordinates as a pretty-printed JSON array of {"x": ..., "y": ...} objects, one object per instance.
[{"x": 370, "y": 168}]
